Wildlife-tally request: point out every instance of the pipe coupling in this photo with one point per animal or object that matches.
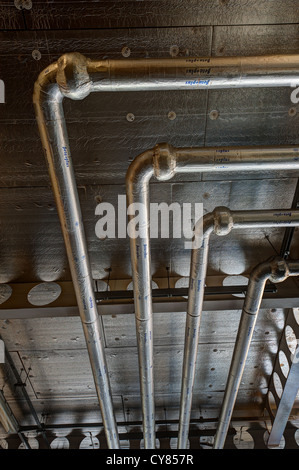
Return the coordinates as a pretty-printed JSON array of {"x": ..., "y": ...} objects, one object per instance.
[
  {"x": 164, "y": 162},
  {"x": 279, "y": 270},
  {"x": 72, "y": 76},
  {"x": 223, "y": 220}
]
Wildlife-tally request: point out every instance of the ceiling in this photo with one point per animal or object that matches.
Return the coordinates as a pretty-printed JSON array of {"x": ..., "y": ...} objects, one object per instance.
[{"x": 46, "y": 342}]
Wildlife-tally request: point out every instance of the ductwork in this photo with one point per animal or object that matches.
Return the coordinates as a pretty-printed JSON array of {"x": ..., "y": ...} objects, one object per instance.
[
  {"x": 276, "y": 270},
  {"x": 220, "y": 222},
  {"x": 75, "y": 77}
]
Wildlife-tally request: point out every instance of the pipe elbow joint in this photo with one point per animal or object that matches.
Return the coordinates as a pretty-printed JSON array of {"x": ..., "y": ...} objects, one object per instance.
[
  {"x": 223, "y": 220},
  {"x": 73, "y": 77},
  {"x": 275, "y": 269},
  {"x": 279, "y": 270},
  {"x": 164, "y": 162}
]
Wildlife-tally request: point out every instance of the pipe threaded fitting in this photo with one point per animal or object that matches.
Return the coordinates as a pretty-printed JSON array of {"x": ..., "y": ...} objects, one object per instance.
[
  {"x": 72, "y": 76},
  {"x": 279, "y": 270},
  {"x": 164, "y": 162},
  {"x": 223, "y": 220}
]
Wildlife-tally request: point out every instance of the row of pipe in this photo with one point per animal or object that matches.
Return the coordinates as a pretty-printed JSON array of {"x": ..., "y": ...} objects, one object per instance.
[
  {"x": 164, "y": 162},
  {"x": 277, "y": 270},
  {"x": 221, "y": 221},
  {"x": 75, "y": 77}
]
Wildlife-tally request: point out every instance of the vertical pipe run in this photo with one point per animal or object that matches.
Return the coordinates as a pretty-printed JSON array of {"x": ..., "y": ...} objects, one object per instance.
[
  {"x": 221, "y": 221},
  {"x": 243, "y": 341},
  {"x": 197, "y": 283},
  {"x": 277, "y": 271},
  {"x": 138, "y": 177},
  {"x": 286, "y": 404},
  {"x": 52, "y": 127}
]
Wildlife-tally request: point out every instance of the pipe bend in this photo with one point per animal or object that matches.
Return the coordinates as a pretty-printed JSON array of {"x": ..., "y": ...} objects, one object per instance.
[
  {"x": 275, "y": 269},
  {"x": 73, "y": 77},
  {"x": 139, "y": 173},
  {"x": 46, "y": 91},
  {"x": 164, "y": 161},
  {"x": 219, "y": 221},
  {"x": 279, "y": 270},
  {"x": 223, "y": 220}
]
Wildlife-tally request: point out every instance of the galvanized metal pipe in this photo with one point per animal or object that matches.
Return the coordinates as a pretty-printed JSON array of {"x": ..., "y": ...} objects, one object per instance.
[
  {"x": 221, "y": 221},
  {"x": 52, "y": 127},
  {"x": 192, "y": 73},
  {"x": 75, "y": 77},
  {"x": 286, "y": 403},
  {"x": 163, "y": 162},
  {"x": 197, "y": 274},
  {"x": 277, "y": 271},
  {"x": 137, "y": 179}
]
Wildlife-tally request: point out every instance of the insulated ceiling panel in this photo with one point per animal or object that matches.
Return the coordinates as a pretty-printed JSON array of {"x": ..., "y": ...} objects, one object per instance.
[
  {"x": 60, "y": 372},
  {"x": 255, "y": 39},
  {"x": 46, "y": 334},
  {"x": 55, "y": 364},
  {"x": 156, "y": 13},
  {"x": 10, "y": 17}
]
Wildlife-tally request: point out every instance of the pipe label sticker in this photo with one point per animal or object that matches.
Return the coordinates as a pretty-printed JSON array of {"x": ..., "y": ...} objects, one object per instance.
[
  {"x": 197, "y": 71},
  {"x": 195, "y": 60},
  {"x": 66, "y": 157},
  {"x": 2, "y": 92},
  {"x": 197, "y": 82}
]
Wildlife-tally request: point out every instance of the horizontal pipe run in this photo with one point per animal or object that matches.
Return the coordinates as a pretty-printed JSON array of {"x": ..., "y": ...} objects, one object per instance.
[
  {"x": 231, "y": 159},
  {"x": 78, "y": 76},
  {"x": 221, "y": 221},
  {"x": 277, "y": 271},
  {"x": 191, "y": 73}
]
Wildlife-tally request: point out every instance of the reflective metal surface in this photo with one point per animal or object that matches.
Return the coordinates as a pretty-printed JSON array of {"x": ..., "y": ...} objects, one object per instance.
[
  {"x": 221, "y": 221},
  {"x": 104, "y": 142},
  {"x": 277, "y": 270},
  {"x": 47, "y": 100},
  {"x": 165, "y": 161},
  {"x": 74, "y": 76}
]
